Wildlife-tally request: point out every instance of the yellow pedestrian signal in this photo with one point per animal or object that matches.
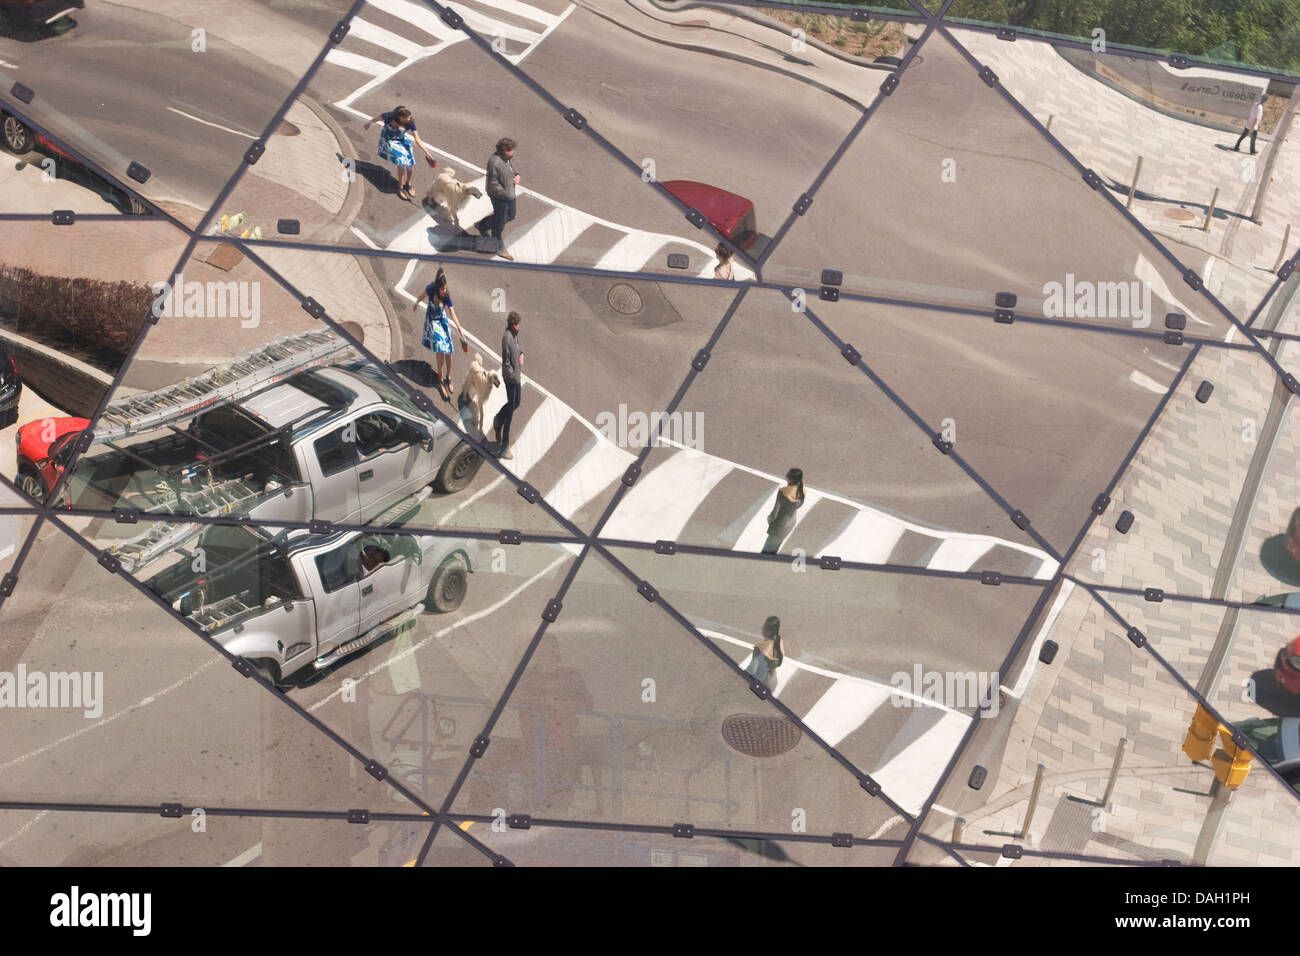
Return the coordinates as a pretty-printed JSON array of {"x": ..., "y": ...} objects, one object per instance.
[
  {"x": 1199, "y": 744},
  {"x": 1232, "y": 763}
]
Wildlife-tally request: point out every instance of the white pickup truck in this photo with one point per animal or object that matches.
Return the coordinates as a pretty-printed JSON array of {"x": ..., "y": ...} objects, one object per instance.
[
  {"x": 339, "y": 443},
  {"x": 293, "y": 600}
]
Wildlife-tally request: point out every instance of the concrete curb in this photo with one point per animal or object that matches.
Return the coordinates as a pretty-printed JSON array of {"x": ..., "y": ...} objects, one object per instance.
[
  {"x": 60, "y": 379},
  {"x": 727, "y": 55},
  {"x": 344, "y": 218},
  {"x": 774, "y": 24}
]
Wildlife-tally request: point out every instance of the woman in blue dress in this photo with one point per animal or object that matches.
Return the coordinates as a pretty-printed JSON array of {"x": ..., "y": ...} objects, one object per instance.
[
  {"x": 437, "y": 330},
  {"x": 395, "y": 146}
]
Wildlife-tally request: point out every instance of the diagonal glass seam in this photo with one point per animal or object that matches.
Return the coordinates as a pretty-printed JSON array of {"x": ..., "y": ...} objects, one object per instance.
[
  {"x": 293, "y": 705},
  {"x": 15, "y": 568},
  {"x": 1173, "y": 672},
  {"x": 930, "y": 433},
  {"x": 1133, "y": 221},
  {"x": 825, "y": 172},
  {"x": 780, "y": 705},
  {"x": 623, "y": 488},
  {"x": 1049, "y": 588},
  {"x": 145, "y": 809},
  {"x": 1225, "y": 603}
]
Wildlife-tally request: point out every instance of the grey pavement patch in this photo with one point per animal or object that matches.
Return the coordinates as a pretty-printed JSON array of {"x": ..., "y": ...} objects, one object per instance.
[{"x": 1070, "y": 828}]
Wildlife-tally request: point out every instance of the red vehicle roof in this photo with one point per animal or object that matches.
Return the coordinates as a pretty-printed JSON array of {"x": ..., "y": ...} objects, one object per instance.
[{"x": 724, "y": 210}]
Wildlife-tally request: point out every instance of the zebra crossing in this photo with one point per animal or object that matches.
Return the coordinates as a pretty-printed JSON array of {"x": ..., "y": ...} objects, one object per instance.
[
  {"x": 387, "y": 36},
  {"x": 547, "y": 231},
  {"x": 904, "y": 748},
  {"x": 667, "y": 498}
]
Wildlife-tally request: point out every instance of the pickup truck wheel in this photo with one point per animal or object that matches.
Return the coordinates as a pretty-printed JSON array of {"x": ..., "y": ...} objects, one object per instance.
[
  {"x": 449, "y": 584},
  {"x": 268, "y": 669},
  {"x": 30, "y": 484},
  {"x": 459, "y": 469}
]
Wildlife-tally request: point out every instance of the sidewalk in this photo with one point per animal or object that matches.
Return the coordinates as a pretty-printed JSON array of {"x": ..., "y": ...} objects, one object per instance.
[{"x": 1182, "y": 165}]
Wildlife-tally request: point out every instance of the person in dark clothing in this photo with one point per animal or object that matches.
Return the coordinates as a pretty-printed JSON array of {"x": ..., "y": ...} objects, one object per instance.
[
  {"x": 501, "y": 182},
  {"x": 512, "y": 363},
  {"x": 780, "y": 522},
  {"x": 768, "y": 654}
]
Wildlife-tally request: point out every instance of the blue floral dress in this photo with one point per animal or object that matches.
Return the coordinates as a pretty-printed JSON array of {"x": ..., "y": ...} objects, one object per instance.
[
  {"x": 395, "y": 142},
  {"x": 437, "y": 328}
]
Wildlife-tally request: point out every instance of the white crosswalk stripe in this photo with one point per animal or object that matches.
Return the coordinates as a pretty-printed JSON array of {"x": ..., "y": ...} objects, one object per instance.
[
  {"x": 845, "y": 715},
  {"x": 355, "y": 61},
  {"x": 420, "y": 16},
  {"x": 386, "y": 39}
]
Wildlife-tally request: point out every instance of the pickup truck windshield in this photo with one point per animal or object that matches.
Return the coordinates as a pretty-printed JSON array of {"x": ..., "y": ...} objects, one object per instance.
[{"x": 389, "y": 392}]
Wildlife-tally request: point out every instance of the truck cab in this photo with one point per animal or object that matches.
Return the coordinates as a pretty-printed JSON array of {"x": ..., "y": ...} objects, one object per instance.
[{"x": 293, "y": 601}]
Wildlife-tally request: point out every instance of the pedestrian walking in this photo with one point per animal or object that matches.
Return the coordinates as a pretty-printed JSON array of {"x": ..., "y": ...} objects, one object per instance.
[
  {"x": 512, "y": 364},
  {"x": 501, "y": 182},
  {"x": 395, "y": 146},
  {"x": 439, "y": 316},
  {"x": 780, "y": 522},
  {"x": 723, "y": 269},
  {"x": 767, "y": 654},
  {"x": 1252, "y": 124}
]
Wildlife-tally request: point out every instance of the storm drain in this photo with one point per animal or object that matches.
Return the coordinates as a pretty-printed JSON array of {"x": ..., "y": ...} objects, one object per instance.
[
  {"x": 760, "y": 736},
  {"x": 624, "y": 299},
  {"x": 1180, "y": 215}
]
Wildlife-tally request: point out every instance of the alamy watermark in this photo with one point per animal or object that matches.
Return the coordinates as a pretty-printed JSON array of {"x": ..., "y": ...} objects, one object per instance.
[
  {"x": 209, "y": 300},
  {"x": 1098, "y": 300},
  {"x": 633, "y": 429},
  {"x": 956, "y": 689},
  {"x": 76, "y": 690}
]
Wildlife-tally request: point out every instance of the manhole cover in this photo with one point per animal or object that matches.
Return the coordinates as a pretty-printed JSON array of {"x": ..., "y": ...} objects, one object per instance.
[
  {"x": 355, "y": 330},
  {"x": 624, "y": 299},
  {"x": 760, "y": 736},
  {"x": 287, "y": 129},
  {"x": 1182, "y": 215}
]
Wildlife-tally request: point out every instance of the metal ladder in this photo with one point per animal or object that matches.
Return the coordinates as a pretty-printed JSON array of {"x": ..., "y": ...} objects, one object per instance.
[{"x": 277, "y": 360}]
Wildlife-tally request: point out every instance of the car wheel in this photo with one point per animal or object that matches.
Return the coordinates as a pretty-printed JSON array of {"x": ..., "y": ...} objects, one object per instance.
[
  {"x": 18, "y": 138},
  {"x": 269, "y": 670},
  {"x": 30, "y": 484},
  {"x": 459, "y": 469},
  {"x": 449, "y": 584}
]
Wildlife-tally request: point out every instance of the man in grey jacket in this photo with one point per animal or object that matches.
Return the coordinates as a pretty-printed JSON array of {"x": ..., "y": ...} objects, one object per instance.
[
  {"x": 501, "y": 182},
  {"x": 512, "y": 364}
]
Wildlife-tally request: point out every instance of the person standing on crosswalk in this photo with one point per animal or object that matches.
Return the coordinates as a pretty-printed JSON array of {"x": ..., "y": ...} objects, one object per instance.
[
  {"x": 512, "y": 365},
  {"x": 437, "y": 330},
  {"x": 1252, "y": 124},
  {"x": 395, "y": 146},
  {"x": 780, "y": 522},
  {"x": 501, "y": 182},
  {"x": 768, "y": 654}
]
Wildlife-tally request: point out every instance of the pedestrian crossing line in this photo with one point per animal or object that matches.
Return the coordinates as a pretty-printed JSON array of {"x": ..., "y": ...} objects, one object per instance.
[
  {"x": 545, "y": 239},
  {"x": 354, "y": 61},
  {"x": 415, "y": 238},
  {"x": 869, "y": 537},
  {"x": 900, "y": 522},
  {"x": 491, "y": 27},
  {"x": 421, "y": 17},
  {"x": 844, "y": 708},
  {"x": 535, "y": 436},
  {"x": 662, "y": 501},
  {"x": 601, "y": 465},
  {"x": 911, "y": 775},
  {"x": 384, "y": 39},
  {"x": 517, "y": 58},
  {"x": 958, "y": 553},
  {"x": 522, "y": 10},
  {"x": 631, "y": 252},
  {"x": 755, "y": 534}
]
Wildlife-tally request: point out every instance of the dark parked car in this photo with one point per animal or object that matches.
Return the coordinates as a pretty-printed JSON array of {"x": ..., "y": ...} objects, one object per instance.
[
  {"x": 33, "y": 12},
  {"x": 22, "y": 139},
  {"x": 1277, "y": 739},
  {"x": 11, "y": 389}
]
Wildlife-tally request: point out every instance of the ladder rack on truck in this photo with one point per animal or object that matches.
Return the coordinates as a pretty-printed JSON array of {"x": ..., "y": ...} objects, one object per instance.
[{"x": 279, "y": 359}]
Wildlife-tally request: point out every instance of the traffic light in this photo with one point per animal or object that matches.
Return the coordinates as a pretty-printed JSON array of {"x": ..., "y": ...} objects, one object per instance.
[
  {"x": 1232, "y": 763},
  {"x": 1199, "y": 744}
]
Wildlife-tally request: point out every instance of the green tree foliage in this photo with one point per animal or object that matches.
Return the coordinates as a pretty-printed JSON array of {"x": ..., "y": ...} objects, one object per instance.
[{"x": 1258, "y": 32}]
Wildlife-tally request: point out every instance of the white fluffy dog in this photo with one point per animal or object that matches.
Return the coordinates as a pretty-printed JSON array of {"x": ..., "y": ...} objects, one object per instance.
[
  {"x": 479, "y": 383},
  {"x": 449, "y": 195}
]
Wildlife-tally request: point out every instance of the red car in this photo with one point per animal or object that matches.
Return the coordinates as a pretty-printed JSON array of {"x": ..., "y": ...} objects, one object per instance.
[
  {"x": 1286, "y": 668},
  {"x": 731, "y": 215},
  {"x": 44, "y": 446}
]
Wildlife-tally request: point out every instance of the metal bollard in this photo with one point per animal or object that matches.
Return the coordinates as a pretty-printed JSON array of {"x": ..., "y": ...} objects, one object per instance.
[
  {"x": 1033, "y": 801},
  {"x": 1286, "y": 241},
  {"x": 958, "y": 829},
  {"x": 1137, "y": 171},
  {"x": 1114, "y": 771},
  {"x": 1209, "y": 213}
]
